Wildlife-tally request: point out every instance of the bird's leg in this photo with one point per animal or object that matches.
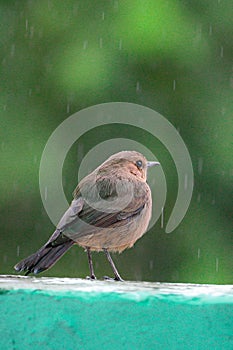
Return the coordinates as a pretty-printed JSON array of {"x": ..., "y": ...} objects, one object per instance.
[
  {"x": 92, "y": 274},
  {"x": 116, "y": 273}
]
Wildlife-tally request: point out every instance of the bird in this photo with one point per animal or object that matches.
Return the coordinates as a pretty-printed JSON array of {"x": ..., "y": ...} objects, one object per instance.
[{"x": 111, "y": 210}]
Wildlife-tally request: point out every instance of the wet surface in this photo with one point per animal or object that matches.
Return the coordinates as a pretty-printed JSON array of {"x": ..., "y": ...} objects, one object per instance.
[{"x": 199, "y": 293}]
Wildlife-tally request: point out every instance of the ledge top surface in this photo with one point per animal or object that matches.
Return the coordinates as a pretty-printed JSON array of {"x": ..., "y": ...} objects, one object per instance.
[{"x": 135, "y": 290}]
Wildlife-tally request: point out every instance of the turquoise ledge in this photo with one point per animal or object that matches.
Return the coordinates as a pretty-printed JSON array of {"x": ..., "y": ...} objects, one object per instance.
[{"x": 68, "y": 313}]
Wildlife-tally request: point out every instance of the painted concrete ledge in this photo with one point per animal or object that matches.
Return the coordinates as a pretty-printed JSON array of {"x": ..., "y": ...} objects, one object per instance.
[{"x": 68, "y": 313}]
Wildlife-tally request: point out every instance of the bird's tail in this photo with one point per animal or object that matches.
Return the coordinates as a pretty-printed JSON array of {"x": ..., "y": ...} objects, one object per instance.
[{"x": 45, "y": 257}]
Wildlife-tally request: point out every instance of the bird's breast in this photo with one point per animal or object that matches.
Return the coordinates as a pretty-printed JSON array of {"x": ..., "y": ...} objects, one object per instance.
[{"x": 119, "y": 236}]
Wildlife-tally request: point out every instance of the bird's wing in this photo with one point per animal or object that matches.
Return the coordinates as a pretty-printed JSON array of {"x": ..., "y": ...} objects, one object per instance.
[
  {"x": 71, "y": 215},
  {"x": 83, "y": 219}
]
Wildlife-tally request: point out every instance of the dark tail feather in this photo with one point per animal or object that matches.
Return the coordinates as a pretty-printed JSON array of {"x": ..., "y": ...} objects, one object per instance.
[{"x": 44, "y": 258}]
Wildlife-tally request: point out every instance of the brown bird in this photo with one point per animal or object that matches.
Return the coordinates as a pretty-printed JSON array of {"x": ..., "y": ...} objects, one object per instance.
[{"x": 110, "y": 211}]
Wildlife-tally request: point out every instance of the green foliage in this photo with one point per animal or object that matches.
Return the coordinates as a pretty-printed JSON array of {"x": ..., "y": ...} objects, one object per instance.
[{"x": 173, "y": 56}]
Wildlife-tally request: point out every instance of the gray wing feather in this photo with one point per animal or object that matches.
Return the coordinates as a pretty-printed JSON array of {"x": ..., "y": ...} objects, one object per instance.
[
  {"x": 71, "y": 214},
  {"x": 81, "y": 219}
]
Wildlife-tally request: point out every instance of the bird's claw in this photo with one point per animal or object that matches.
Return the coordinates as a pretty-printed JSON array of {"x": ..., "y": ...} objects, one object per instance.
[
  {"x": 117, "y": 279},
  {"x": 91, "y": 278}
]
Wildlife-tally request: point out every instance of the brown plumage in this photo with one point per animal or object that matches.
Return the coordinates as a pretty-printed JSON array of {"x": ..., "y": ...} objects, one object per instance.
[{"x": 111, "y": 210}]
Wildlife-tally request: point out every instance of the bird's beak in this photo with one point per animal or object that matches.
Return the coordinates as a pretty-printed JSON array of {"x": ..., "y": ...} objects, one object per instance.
[{"x": 149, "y": 164}]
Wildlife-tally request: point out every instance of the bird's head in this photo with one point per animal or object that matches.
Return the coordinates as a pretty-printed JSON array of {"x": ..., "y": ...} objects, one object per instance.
[{"x": 131, "y": 162}]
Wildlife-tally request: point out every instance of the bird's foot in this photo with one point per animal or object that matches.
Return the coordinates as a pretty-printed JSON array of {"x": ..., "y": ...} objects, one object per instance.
[
  {"x": 91, "y": 278},
  {"x": 118, "y": 278}
]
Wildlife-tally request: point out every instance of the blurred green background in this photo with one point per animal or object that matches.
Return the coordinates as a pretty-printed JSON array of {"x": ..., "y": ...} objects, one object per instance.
[{"x": 58, "y": 57}]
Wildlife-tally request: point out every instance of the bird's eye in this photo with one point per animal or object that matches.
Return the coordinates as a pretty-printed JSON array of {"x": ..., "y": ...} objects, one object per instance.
[{"x": 139, "y": 163}]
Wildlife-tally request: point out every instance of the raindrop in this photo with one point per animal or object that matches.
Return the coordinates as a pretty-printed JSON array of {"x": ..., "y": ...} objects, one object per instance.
[
  {"x": 223, "y": 110},
  {"x": 49, "y": 5},
  {"x": 151, "y": 264},
  {"x": 138, "y": 87},
  {"x": 185, "y": 182},
  {"x": 5, "y": 259},
  {"x": 75, "y": 9},
  {"x": 101, "y": 43},
  {"x": 213, "y": 201},
  {"x": 198, "y": 253},
  {"x": 210, "y": 30},
  {"x": 200, "y": 165},
  {"x": 46, "y": 193},
  {"x": 85, "y": 43},
  {"x": 68, "y": 108},
  {"x": 199, "y": 197},
  {"x": 80, "y": 152},
  {"x": 26, "y": 24},
  {"x": 116, "y": 5},
  {"x": 40, "y": 33},
  {"x": 198, "y": 33},
  {"x": 35, "y": 159},
  {"x": 162, "y": 217},
  {"x": 174, "y": 85},
  {"x": 221, "y": 52},
  {"x": 216, "y": 264},
  {"x": 12, "y": 50},
  {"x": 103, "y": 15},
  {"x": 120, "y": 44},
  {"x": 31, "y": 32},
  {"x": 18, "y": 250},
  {"x": 231, "y": 82}
]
